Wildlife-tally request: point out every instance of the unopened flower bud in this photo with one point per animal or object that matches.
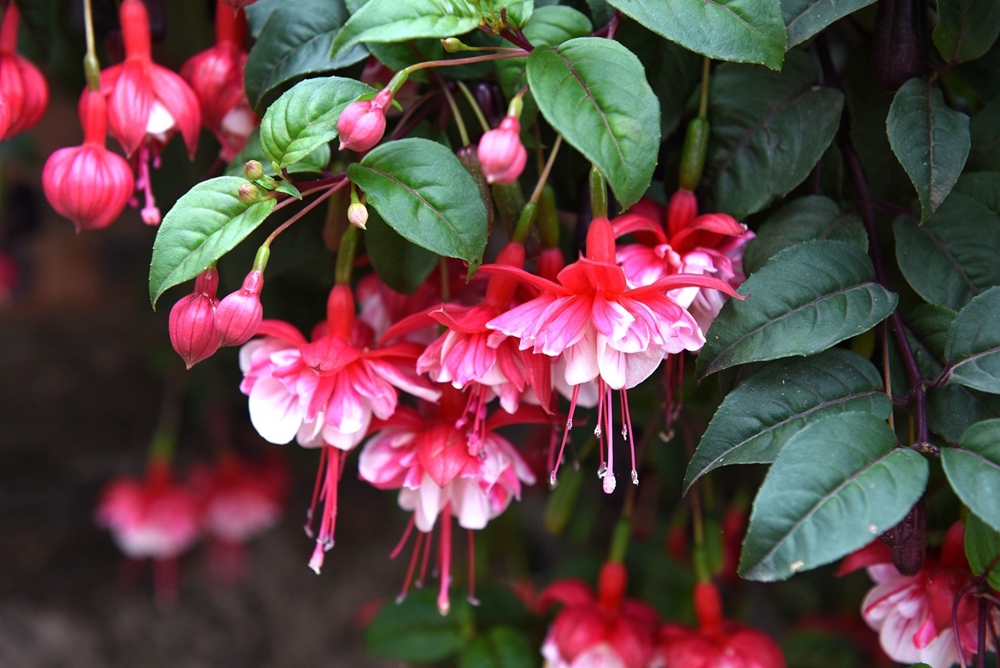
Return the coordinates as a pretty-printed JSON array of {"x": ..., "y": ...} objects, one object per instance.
[
  {"x": 357, "y": 213},
  {"x": 501, "y": 153},
  {"x": 253, "y": 170},
  {"x": 238, "y": 316},
  {"x": 682, "y": 209},
  {"x": 248, "y": 193},
  {"x": 362, "y": 123},
  {"x": 453, "y": 45},
  {"x": 192, "y": 321}
]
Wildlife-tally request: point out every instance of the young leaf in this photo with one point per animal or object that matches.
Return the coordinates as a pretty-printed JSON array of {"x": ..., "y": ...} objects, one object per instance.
[
  {"x": 402, "y": 265},
  {"x": 769, "y": 130},
  {"x": 414, "y": 631},
  {"x": 594, "y": 92},
  {"x": 973, "y": 470},
  {"x": 805, "y": 18},
  {"x": 809, "y": 218},
  {"x": 758, "y": 418},
  {"x": 421, "y": 189},
  {"x": 952, "y": 258},
  {"x": 966, "y": 29},
  {"x": 745, "y": 31},
  {"x": 973, "y": 346},
  {"x": 982, "y": 547},
  {"x": 500, "y": 647},
  {"x": 519, "y": 12},
  {"x": 296, "y": 41},
  {"x": 836, "y": 485},
  {"x": 394, "y": 21},
  {"x": 806, "y": 299},
  {"x": 313, "y": 163},
  {"x": 305, "y": 117},
  {"x": 202, "y": 226},
  {"x": 930, "y": 139}
]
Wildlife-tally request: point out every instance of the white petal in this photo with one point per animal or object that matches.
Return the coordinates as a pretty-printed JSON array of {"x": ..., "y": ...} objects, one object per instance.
[{"x": 275, "y": 412}]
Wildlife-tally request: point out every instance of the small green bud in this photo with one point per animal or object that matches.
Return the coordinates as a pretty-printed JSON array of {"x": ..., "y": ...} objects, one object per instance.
[
  {"x": 248, "y": 193},
  {"x": 453, "y": 45},
  {"x": 357, "y": 213},
  {"x": 253, "y": 170}
]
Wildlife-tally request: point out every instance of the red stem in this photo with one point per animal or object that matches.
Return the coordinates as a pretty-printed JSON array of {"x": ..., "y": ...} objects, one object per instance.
[
  {"x": 8, "y": 32},
  {"x": 230, "y": 25}
]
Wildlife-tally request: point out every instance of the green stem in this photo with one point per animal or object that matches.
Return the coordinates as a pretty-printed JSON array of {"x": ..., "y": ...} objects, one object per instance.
[
  {"x": 619, "y": 540},
  {"x": 598, "y": 194},
  {"x": 462, "y": 61},
  {"x": 458, "y": 116},
  {"x": 164, "y": 441},
  {"x": 309, "y": 207},
  {"x": 91, "y": 65},
  {"x": 345, "y": 255},
  {"x": 544, "y": 176},
  {"x": 703, "y": 103},
  {"x": 471, "y": 99}
]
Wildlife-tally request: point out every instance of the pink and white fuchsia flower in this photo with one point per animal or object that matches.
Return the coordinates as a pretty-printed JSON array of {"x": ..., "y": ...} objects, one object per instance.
[{"x": 603, "y": 330}]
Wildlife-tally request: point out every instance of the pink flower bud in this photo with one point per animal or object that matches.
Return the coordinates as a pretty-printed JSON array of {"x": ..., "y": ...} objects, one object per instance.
[
  {"x": 21, "y": 84},
  {"x": 683, "y": 208},
  {"x": 192, "y": 321},
  {"x": 501, "y": 153},
  {"x": 238, "y": 316},
  {"x": 357, "y": 214},
  {"x": 362, "y": 123}
]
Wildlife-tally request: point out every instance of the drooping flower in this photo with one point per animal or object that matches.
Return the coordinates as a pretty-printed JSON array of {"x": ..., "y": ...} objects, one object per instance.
[
  {"x": 501, "y": 153},
  {"x": 429, "y": 459},
  {"x": 239, "y": 314},
  {"x": 602, "y": 631},
  {"x": 717, "y": 642},
  {"x": 914, "y": 613},
  {"x": 216, "y": 77},
  {"x": 88, "y": 184},
  {"x": 22, "y": 86},
  {"x": 147, "y": 103},
  {"x": 325, "y": 392},
  {"x": 603, "y": 330},
  {"x": 678, "y": 241},
  {"x": 362, "y": 123},
  {"x": 193, "y": 332}
]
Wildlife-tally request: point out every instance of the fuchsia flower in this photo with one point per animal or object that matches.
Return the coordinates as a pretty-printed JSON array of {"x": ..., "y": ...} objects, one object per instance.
[
  {"x": 22, "y": 86},
  {"x": 147, "y": 103},
  {"x": 603, "y": 631},
  {"x": 151, "y": 518},
  {"x": 193, "y": 332},
  {"x": 718, "y": 643},
  {"x": 216, "y": 77},
  {"x": 913, "y": 613},
  {"x": 362, "y": 123},
  {"x": 683, "y": 243},
  {"x": 325, "y": 392},
  {"x": 440, "y": 471},
  {"x": 501, "y": 153},
  {"x": 239, "y": 314},
  {"x": 603, "y": 330},
  {"x": 88, "y": 184}
]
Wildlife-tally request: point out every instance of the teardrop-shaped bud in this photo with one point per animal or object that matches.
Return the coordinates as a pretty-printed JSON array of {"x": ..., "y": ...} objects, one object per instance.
[
  {"x": 239, "y": 314},
  {"x": 362, "y": 123},
  {"x": 501, "y": 153},
  {"x": 193, "y": 333}
]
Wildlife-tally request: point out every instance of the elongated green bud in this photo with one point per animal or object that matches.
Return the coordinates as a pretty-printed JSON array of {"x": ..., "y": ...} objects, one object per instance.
[{"x": 693, "y": 157}]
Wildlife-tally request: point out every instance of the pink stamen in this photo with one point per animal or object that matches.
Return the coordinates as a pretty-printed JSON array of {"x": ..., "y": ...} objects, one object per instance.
[
  {"x": 328, "y": 522},
  {"x": 402, "y": 541},
  {"x": 472, "y": 568},
  {"x": 627, "y": 426},
  {"x": 609, "y": 475},
  {"x": 412, "y": 566},
  {"x": 444, "y": 555},
  {"x": 569, "y": 427},
  {"x": 423, "y": 563},
  {"x": 150, "y": 214}
]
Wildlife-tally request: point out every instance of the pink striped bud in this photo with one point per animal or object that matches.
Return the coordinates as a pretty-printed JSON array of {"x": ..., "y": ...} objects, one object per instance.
[
  {"x": 192, "y": 320},
  {"x": 362, "y": 123},
  {"x": 238, "y": 316},
  {"x": 501, "y": 153}
]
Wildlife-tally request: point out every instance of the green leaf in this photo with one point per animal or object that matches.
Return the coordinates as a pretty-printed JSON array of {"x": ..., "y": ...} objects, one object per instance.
[
  {"x": 973, "y": 470},
  {"x": 398, "y": 56},
  {"x": 594, "y": 92},
  {"x": 953, "y": 257},
  {"x": 930, "y": 139},
  {"x": 805, "y": 18},
  {"x": 745, "y": 31},
  {"x": 394, "y": 21},
  {"x": 258, "y": 13},
  {"x": 809, "y": 218},
  {"x": 313, "y": 163},
  {"x": 966, "y": 29},
  {"x": 982, "y": 547},
  {"x": 519, "y": 12},
  {"x": 806, "y": 299},
  {"x": 930, "y": 323},
  {"x": 759, "y": 417},
  {"x": 296, "y": 41},
  {"x": 414, "y": 631},
  {"x": 986, "y": 137},
  {"x": 402, "y": 265},
  {"x": 836, "y": 485},
  {"x": 421, "y": 189},
  {"x": 769, "y": 130},
  {"x": 984, "y": 187},
  {"x": 500, "y": 647},
  {"x": 973, "y": 346},
  {"x": 305, "y": 117},
  {"x": 37, "y": 18},
  {"x": 202, "y": 226}
]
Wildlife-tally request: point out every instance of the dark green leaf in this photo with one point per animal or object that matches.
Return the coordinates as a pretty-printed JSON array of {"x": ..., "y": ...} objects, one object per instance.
[
  {"x": 402, "y": 265},
  {"x": 38, "y": 18},
  {"x": 930, "y": 139},
  {"x": 986, "y": 137},
  {"x": 258, "y": 13},
  {"x": 421, "y": 189},
  {"x": 973, "y": 469},
  {"x": 296, "y": 41},
  {"x": 982, "y": 547},
  {"x": 746, "y": 31},
  {"x": 805, "y": 18},
  {"x": 305, "y": 117},
  {"x": 835, "y": 487},
  {"x": 930, "y": 323},
  {"x": 973, "y": 347},
  {"x": 953, "y": 257},
  {"x": 984, "y": 187},
  {"x": 758, "y": 418},
  {"x": 202, "y": 226},
  {"x": 414, "y": 631},
  {"x": 500, "y": 647},
  {"x": 819, "y": 649},
  {"x": 313, "y": 163},
  {"x": 769, "y": 130},
  {"x": 594, "y": 92},
  {"x": 966, "y": 29},
  {"x": 806, "y": 219},
  {"x": 806, "y": 299},
  {"x": 600, "y": 11},
  {"x": 394, "y": 21}
]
